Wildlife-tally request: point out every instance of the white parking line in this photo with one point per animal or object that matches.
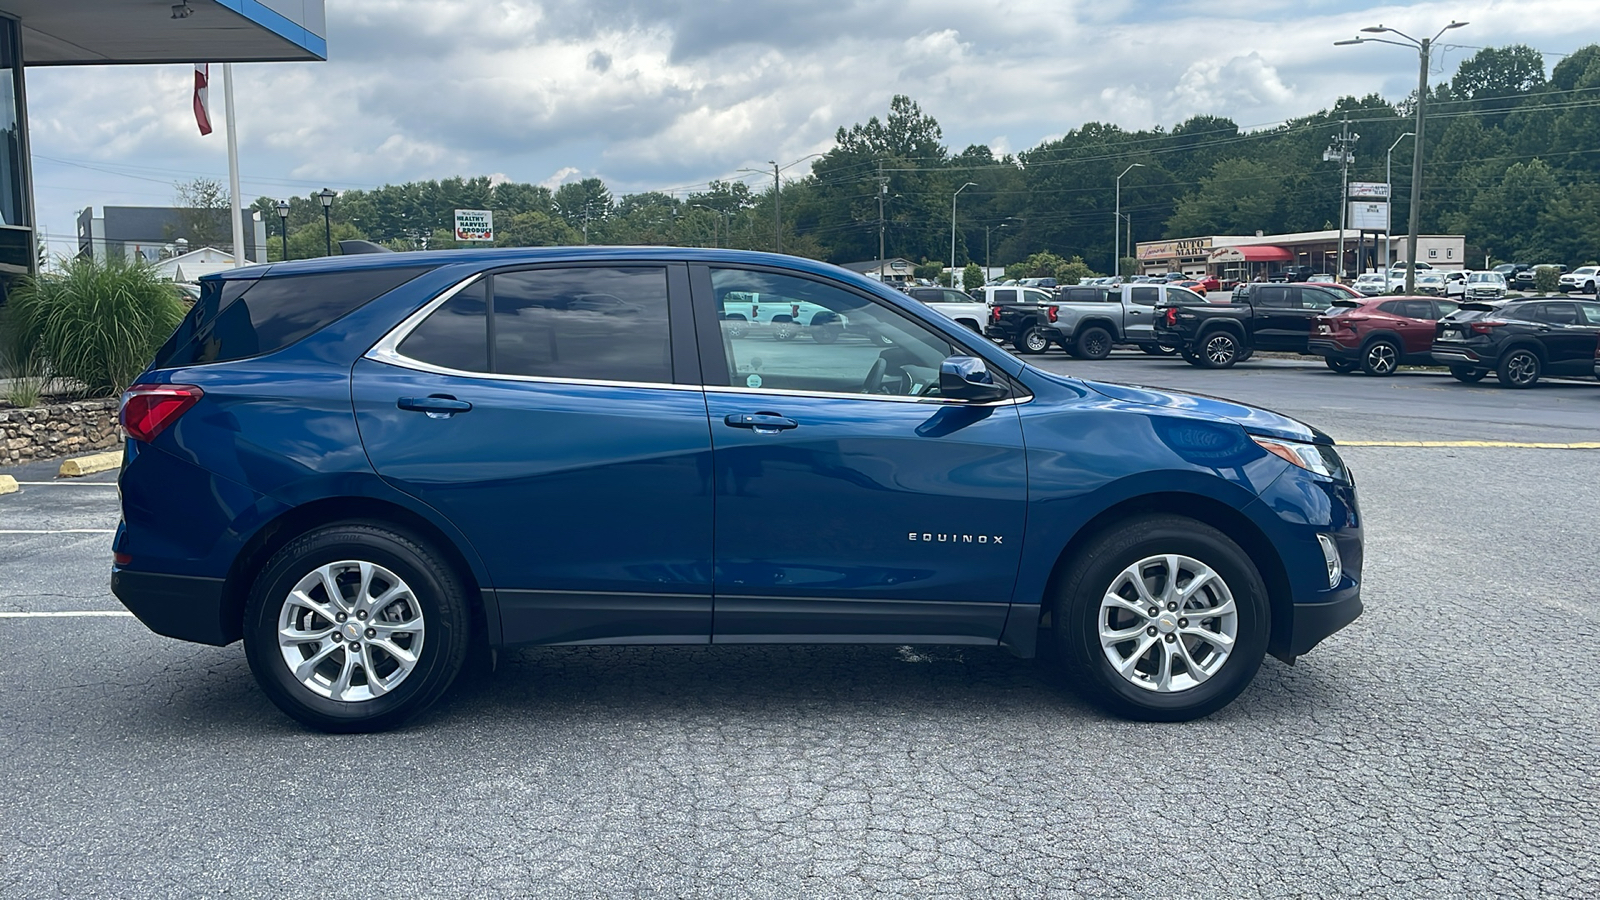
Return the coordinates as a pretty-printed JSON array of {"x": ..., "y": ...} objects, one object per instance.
[
  {"x": 111, "y": 484},
  {"x": 58, "y": 531},
  {"x": 68, "y": 614}
]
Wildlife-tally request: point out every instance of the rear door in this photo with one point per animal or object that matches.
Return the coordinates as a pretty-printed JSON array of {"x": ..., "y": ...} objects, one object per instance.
[
  {"x": 1416, "y": 323},
  {"x": 1275, "y": 313},
  {"x": 1570, "y": 341},
  {"x": 555, "y": 416}
]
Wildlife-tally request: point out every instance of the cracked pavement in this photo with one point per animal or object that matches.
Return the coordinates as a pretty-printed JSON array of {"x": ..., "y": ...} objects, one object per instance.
[{"x": 1442, "y": 746}]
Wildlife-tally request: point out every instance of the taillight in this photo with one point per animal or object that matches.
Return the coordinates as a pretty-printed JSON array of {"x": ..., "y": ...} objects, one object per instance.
[
  {"x": 1172, "y": 317},
  {"x": 147, "y": 409},
  {"x": 994, "y": 314},
  {"x": 1485, "y": 327},
  {"x": 1051, "y": 312},
  {"x": 794, "y": 311}
]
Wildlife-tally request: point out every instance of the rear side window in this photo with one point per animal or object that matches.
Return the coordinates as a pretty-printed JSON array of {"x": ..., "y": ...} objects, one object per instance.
[
  {"x": 1416, "y": 309},
  {"x": 1006, "y": 296},
  {"x": 586, "y": 324},
  {"x": 1277, "y": 297},
  {"x": 1144, "y": 296},
  {"x": 235, "y": 319}
]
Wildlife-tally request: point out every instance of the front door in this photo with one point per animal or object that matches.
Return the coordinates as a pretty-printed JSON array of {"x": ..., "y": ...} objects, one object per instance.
[
  {"x": 559, "y": 429},
  {"x": 853, "y": 503}
]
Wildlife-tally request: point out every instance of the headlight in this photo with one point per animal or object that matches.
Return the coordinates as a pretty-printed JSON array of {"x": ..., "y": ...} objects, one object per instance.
[{"x": 1319, "y": 458}]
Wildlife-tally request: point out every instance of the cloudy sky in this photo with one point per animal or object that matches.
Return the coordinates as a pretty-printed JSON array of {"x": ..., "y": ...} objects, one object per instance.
[{"x": 667, "y": 94}]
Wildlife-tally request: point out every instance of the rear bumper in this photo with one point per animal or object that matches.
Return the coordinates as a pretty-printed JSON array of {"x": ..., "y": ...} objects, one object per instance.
[
  {"x": 1457, "y": 357},
  {"x": 185, "y": 607},
  {"x": 1333, "y": 349},
  {"x": 1597, "y": 368}
]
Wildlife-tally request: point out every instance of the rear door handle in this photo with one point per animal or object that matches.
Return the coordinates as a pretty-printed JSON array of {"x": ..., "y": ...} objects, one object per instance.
[
  {"x": 437, "y": 406},
  {"x": 760, "y": 423}
]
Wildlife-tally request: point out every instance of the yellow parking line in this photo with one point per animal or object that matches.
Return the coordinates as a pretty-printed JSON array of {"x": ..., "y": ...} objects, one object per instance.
[{"x": 1516, "y": 445}]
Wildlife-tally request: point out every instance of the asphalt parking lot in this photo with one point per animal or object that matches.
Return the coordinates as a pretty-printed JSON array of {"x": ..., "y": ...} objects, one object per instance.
[{"x": 1444, "y": 745}]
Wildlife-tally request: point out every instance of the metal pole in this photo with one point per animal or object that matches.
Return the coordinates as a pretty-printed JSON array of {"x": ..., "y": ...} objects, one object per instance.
[
  {"x": 285, "y": 221},
  {"x": 234, "y": 212},
  {"x": 953, "y": 230},
  {"x": 1416, "y": 171},
  {"x": 777, "y": 208},
  {"x": 1388, "y": 178},
  {"x": 1344, "y": 191},
  {"x": 883, "y": 188},
  {"x": 327, "y": 231}
]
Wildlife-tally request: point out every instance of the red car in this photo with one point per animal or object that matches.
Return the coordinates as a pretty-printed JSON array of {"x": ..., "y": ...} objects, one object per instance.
[{"x": 1378, "y": 334}]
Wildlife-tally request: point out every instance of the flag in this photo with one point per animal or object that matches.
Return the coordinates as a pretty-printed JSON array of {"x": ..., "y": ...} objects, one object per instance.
[{"x": 202, "y": 116}]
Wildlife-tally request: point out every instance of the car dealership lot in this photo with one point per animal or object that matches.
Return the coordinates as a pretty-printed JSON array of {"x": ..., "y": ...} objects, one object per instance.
[{"x": 1442, "y": 745}]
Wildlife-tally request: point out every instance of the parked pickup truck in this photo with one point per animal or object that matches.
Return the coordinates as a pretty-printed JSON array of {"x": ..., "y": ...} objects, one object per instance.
[
  {"x": 1091, "y": 320},
  {"x": 1023, "y": 317},
  {"x": 1261, "y": 317}
]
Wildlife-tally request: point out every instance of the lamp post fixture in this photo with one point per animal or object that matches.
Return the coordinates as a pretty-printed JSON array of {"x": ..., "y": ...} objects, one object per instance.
[
  {"x": 1388, "y": 179},
  {"x": 953, "y": 230},
  {"x": 282, "y": 206},
  {"x": 1423, "y": 47},
  {"x": 326, "y": 196},
  {"x": 1116, "y": 224}
]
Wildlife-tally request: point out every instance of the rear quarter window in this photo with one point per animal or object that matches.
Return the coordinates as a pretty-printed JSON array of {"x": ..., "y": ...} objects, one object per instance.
[{"x": 236, "y": 319}]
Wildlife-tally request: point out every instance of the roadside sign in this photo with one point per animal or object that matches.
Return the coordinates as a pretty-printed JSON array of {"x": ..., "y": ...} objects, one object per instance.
[
  {"x": 1374, "y": 190},
  {"x": 474, "y": 225},
  {"x": 1365, "y": 216}
]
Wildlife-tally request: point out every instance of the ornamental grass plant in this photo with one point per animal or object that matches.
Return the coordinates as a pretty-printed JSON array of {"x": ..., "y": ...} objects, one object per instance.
[{"x": 96, "y": 323}]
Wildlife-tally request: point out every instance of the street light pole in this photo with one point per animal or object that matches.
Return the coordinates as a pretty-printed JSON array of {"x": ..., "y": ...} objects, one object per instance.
[
  {"x": 1388, "y": 179},
  {"x": 1116, "y": 224},
  {"x": 777, "y": 195},
  {"x": 326, "y": 196},
  {"x": 953, "y": 230},
  {"x": 1423, "y": 47},
  {"x": 986, "y": 258},
  {"x": 282, "y": 207}
]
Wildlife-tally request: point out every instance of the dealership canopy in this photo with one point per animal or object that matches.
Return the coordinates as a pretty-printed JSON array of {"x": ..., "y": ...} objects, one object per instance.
[
  {"x": 1256, "y": 253},
  {"x": 87, "y": 32}
]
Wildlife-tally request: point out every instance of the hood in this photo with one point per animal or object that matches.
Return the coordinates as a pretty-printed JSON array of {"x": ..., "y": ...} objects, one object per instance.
[{"x": 1253, "y": 419}]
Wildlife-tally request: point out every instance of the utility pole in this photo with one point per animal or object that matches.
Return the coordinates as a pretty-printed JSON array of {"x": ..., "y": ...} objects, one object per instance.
[
  {"x": 777, "y": 208},
  {"x": 883, "y": 190},
  {"x": 1388, "y": 206},
  {"x": 1340, "y": 150}
]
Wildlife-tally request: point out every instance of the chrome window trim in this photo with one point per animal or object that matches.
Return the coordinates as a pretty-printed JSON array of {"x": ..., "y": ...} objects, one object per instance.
[
  {"x": 842, "y": 395},
  {"x": 387, "y": 350}
]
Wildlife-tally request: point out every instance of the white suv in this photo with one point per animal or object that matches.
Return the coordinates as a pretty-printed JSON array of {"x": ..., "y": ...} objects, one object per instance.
[{"x": 1581, "y": 279}]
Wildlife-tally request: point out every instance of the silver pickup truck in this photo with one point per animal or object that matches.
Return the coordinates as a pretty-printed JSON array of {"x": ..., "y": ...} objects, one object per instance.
[{"x": 1094, "y": 318}]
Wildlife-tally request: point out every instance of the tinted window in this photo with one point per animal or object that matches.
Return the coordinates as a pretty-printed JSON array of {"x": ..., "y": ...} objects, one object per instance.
[
  {"x": 1392, "y": 307},
  {"x": 951, "y": 296},
  {"x": 1316, "y": 298},
  {"x": 1006, "y": 296},
  {"x": 1084, "y": 295},
  {"x": 1144, "y": 296},
  {"x": 1445, "y": 307},
  {"x": 1558, "y": 313},
  {"x": 455, "y": 336},
  {"x": 1277, "y": 297},
  {"x": 1523, "y": 312},
  {"x": 235, "y": 319},
  {"x": 1183, "y": 295},
  {"x": 1415, "y": 309},
  {"x": 849, "y": 344},
  {"x": 1591, "y": 313},
  {"x": 603, "y": 324},
  {"x": 1032, "y": 295}
]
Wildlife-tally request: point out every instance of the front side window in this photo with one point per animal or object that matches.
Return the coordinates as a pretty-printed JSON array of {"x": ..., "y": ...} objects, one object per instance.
[
  {"x": 582, "y": 324},
  {"x": 844, "y": 343},
  {"x": 1275, "y": 297},
  {"x": 1144, "y": 296},
  {"x": 1591, "y": 313},
  {"x": 1184, "y": 296},
  {"x": 1558, "y": 313}
]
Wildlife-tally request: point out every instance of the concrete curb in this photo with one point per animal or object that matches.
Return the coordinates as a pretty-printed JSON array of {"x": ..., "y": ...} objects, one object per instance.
[
  {"x": 88, "y": 465},
  {"x": 8, "y": 485}
]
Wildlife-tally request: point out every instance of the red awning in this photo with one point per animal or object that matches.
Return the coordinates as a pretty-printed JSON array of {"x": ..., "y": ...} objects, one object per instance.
[{"x": 1264, "y": 253}]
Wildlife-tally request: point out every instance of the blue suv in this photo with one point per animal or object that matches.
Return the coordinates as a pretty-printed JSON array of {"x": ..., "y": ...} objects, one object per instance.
[{"x": 369, "y": 467}]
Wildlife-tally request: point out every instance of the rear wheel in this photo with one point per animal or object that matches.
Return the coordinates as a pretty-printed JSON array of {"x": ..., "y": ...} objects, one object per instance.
[
  {"x": 1162, "y": 618},
  {"x": 1467, "y": 375},
  {"x": 1342, "y": 366},
  {"x": 1519, "y": 369},
  {"x": 784, "y": 329},
  {"x": 1382, "y": 357},
  {"x": 1033, "y": 340},
  {"x": 1191, "y": 358},
  {"x": 355, "y": 627},
  {"x": 1094, "y": 343},
  {"x": 1158, "y": 350},
  {"x": 736, "y": 326},
  {"x": 1219, "y": 350}
]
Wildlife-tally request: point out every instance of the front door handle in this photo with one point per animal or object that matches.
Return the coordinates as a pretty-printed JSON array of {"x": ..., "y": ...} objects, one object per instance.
[
  {"x": 760, "y": 423},
  {"x": 437, "y": 406}
]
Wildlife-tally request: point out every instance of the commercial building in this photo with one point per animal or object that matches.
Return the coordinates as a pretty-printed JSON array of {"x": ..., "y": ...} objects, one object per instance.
[
  {"x": 98, "y": 32},
  {"x": 158, "y": 232},
  {"x": 1242, "y": 257}
]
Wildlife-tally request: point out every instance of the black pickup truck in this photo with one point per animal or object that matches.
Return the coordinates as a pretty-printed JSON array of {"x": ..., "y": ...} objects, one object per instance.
[
  {"x": 1260, "y": 317},
  {"x": 1024, "y": 317}
]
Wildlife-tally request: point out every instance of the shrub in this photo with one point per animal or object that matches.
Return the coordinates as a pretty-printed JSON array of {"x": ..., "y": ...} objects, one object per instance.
[
  {"x": 96, "y": 323},
  {"x": 971, "y": 277},
  {"x": 1546, "y": 279}
]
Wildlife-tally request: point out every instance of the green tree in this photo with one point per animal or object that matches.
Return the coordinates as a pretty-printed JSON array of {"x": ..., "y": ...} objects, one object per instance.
[
  {"x": 972, "y": 277},
  {"x": 1238, "y": 197},
  {"x": 203, "y": 206}
]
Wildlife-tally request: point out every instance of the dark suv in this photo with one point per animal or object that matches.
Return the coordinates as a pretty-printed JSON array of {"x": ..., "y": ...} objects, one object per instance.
[
  {"x": 371, "y": 466},
  {"x": 1519, "y": 340}
]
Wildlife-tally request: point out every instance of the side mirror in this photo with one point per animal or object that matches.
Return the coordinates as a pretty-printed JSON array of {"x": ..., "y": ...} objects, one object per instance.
[{"x": 967, "y": 378}]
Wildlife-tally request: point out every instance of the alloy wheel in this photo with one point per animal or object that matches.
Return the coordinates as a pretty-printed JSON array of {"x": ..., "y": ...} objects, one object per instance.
[
  {"x": 1168, "y": 623},
  {"x": 1220, "y": 350},
  {"x": 1522, "y": 367},
  {"x": 1035, "y": 341},
  {"x": 1381, "y": 358},
  {"x": 350, "y": 631}
]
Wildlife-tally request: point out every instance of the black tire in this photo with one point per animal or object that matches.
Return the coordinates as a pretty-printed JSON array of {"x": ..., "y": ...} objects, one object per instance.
[
  {"x": 737, "y": 326},
  {"x": 784, "y": 329},
  {"x": 1093, "y": 342},
  {"x": 1033, "y": 340},
  {"x": 1191, "y": 359},
  {"x": 825, "y": 332},
  {"x": 1467, "y": 375},
  {"x": 1219, "y": 350},
  {"x": 439, "y": 597},
  {"x": 1158, "y": 350},
  {"x": 1588, "y": 287},
  {"x": 1519, "y": 368},
  {"x": 1342, "y": 366},
  {"x": 1076, "y": 615},
  {"x": 1246, "y": 353},
  {"x": 1381, "y": 358}
]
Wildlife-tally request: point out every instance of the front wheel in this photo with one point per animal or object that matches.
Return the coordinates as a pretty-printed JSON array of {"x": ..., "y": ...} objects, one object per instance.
[
  {"x": 1162, "y": 618},
  {"x": 1033, "y": 341},
  {"x": 355, "y": 627},
  {"x": 825, "y": 332},
  {"x": 1343, "y": 367},
  {"x": 1219, "y": 350}
]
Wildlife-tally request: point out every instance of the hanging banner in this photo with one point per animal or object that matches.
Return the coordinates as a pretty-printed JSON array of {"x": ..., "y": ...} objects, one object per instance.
[{"x": 474, "y": 225}]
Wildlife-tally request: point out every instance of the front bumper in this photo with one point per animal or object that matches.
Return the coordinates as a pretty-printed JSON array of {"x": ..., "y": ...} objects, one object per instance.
[
  {"x": 185, "y": 607},
  {"x": 1315, "y": 621}
]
